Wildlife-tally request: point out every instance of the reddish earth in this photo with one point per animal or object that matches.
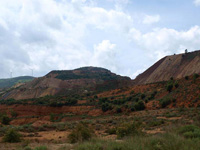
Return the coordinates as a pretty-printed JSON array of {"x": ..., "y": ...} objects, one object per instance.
[
  {"x": 34, "y": 110},
  {"x": 187, "y": 95}
]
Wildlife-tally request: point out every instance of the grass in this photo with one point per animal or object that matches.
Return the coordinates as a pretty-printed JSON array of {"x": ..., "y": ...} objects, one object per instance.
[{"x": 165, "y": 141}]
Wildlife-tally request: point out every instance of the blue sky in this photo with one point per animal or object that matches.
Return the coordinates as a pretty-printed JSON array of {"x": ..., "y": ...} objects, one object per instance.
[{"x": 125, "y": 36}]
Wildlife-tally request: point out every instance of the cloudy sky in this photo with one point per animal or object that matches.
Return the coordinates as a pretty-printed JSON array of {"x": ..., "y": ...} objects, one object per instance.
[{"x": 124, "y": 36}]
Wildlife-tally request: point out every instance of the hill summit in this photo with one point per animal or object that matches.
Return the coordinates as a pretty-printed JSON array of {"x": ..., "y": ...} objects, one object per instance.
[{"x": 66, "y": 82}]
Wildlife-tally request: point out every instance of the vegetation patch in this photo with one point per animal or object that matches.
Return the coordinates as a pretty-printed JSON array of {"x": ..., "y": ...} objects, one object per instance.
[
  {"x": 81, "y": 133},
  {"x": 12, "y": 136}
]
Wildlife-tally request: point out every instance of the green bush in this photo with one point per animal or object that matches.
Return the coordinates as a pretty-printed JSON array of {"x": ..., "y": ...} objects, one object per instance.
[
  {"x": 111, "y": 131},
  {"x": 103, "y": 100},
  {"x": 169, "y": 87},
  {"x": 52, "y": 117},
  {"x": 176, "y": 84},
  {"x": 5, "y": 120},
  {"x": 132, "y": 92},
  {"x": 143, "y": 96},
  {"x": 118, "y": 110},
  {"x": 95, "y": 97},
  {"x": 152, "y": 96},
  {"x": 14, "y": 114},
  {"x": 186, "y": 78},
  {"x": 165, "y": 102},
  {"x": 190, "y": 131},
  {"x": 12, "y": 136},
  {"x": 81, "y": 133},
  {"x": 128, "y": 129},
  {"x": 195, "y": 76},
  {"x": 27, "y": 148},
  {"x": 139, "y": 105},
  {"x": 106, "y": 106}
]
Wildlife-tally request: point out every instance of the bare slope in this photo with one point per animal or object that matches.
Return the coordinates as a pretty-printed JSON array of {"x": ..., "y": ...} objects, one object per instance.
[
  {"x": 82, "y": 80},
  {"x": 176, "y": 66}
]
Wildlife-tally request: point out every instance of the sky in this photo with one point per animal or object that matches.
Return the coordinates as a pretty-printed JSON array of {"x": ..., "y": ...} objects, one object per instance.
[{"x": 124, "y": 36}]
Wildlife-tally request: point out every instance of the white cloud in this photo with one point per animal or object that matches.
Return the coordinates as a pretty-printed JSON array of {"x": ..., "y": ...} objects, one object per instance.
[
  {"x": 197, "y": 2},
  {"x": 105, "y": 55},
  {"x": 151, "y": 19},
  {"x": 164, "y": 41},
  {"x": 48, "y": 34}
]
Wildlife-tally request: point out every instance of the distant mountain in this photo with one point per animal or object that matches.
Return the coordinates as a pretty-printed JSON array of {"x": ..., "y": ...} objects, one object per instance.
[
  {"x": 7, "y": 83},
  {"x": 176, "y": 66},
  {"x": 78, "y": 81}
]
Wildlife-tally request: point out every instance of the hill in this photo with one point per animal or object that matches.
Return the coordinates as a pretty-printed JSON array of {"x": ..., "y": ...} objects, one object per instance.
[
  {"x": 175, "y": 66},
  {"x": 7, "y": 83},
  {"x": 67, "y": 82}
]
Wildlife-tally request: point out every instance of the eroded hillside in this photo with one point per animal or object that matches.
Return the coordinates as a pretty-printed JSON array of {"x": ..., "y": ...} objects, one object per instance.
[
  {"x": 82, "y": 80},
  {"x": 176, "y": 66}
]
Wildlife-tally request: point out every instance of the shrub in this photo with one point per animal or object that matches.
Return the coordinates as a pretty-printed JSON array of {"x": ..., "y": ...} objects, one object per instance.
[
  {"x": 13, "y": 113},
  {"x": 132, "y": 92},
  {"x": 111, "y": 131},
  {"x": 176, "y": 84},
  {"x": 143, "y": 96},
  {"x": 152, "y": 96},
  {"x": 12, "y": 136},
  {"x": 139, "y": 105},
  {"x": 27, "y": 148},
  {"x": 106, "y": 106},
  {"x": 190, "y": 131},
  {"x": 52, "y": 117},
  {"x": 71, "y": 102},
  {"x": 169, "y": 87},
  {"x": 5, "y": 120},
  {"x": 165, "y": 102},
  {"x": 103, "y": 100},
  {"x": 95, "y": 97},
  {"x": 186, "y": 78},
  {"x": 118, "y": 110},
  {"x": 81, "y": 133},
  {"x": 195, "y": 76},
  {"x": 128, "y": 129},
  {"x": 55, "y": 104}
]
